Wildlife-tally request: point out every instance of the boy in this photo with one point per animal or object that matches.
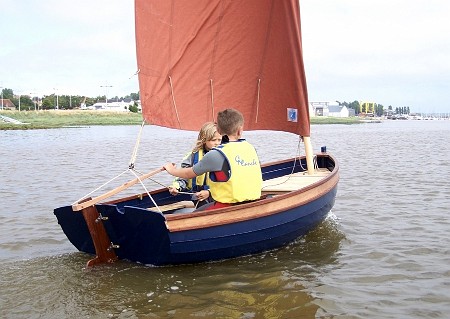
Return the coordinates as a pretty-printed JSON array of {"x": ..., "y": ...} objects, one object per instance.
[{"x": 235, "y": 171}]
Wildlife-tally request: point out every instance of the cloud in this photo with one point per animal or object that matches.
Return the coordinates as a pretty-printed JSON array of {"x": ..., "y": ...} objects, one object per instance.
[
  {"x": 391, "y": 52},
  {"x": 75, "y": 46}
]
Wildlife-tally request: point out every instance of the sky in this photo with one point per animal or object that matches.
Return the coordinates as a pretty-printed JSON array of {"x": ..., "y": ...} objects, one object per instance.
[{"x": 391, "y": 52}]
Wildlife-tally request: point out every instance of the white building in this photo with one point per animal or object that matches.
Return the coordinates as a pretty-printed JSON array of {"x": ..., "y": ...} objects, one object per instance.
[
  {"x": 110, "y": 106},
  {"x": 338, "y": 111},
  {"x": 324, "y": 108}
]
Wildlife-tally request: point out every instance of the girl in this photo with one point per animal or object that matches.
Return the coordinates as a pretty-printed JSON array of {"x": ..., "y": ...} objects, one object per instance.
[{"x": 208, "y": 138}]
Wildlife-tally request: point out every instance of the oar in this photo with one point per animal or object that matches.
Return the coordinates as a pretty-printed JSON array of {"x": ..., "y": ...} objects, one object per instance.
[{"x": 79, "y": 206}]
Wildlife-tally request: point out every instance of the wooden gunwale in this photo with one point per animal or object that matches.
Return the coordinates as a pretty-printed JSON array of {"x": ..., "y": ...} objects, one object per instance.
[
  {"x": 142, "y": 195},
  {"x": 257, "y": 209},
  {"x": 261, "y": 208}
]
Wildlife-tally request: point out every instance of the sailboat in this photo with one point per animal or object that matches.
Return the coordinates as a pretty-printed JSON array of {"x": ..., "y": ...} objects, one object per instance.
[{"x": 196, "y": 58}]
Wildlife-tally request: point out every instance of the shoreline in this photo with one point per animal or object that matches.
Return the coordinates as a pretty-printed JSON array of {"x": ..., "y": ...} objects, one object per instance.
[
  {"x": 49, "y": 119},
  {"x": 32, "y": 120}
]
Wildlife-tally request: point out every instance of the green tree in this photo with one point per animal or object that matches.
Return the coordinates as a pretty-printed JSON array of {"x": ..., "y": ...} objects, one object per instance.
[
  {"x": 379, "y": 109},
  {"x": 133, "y": 108},
  {"x": 49, "y": 102},
  {"x": 90, "y": 101},
  {"x": 26, "y": 103},
  {"x": 134, "y": 96},
  {"x": 355, "y": 105},
  {"x": 75, "y": 101},
  {"x": 8, "y": 93}
]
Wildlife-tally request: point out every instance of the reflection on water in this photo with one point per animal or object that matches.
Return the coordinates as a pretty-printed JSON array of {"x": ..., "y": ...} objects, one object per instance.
[
  {"x": 382, "y": 253},
  {"x": 269, "y": 285}
]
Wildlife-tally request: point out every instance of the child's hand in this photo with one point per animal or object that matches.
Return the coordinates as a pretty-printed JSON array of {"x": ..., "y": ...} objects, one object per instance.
[
  {"x": 169, "y": 167},
  {"x": 202, "y": 195},
  {"x": 173, "y": 191}
]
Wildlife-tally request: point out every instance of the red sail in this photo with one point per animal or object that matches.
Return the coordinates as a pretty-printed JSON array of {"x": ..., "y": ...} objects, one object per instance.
[{"x": 198, "y": 57}]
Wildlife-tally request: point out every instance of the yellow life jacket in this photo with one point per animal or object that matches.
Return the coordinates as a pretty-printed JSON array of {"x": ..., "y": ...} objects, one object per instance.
[
  {"x": 198, "y": 183},
  {"x": 245, "y": 177},
  {"x": 195, "y": 184}
]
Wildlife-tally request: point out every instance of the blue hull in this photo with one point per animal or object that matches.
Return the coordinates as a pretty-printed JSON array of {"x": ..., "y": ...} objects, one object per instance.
[{"x": 146, "y": 237}]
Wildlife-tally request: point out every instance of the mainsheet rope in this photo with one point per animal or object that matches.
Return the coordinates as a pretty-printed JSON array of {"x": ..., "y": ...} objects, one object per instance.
[{"x": 296, "y": 156}]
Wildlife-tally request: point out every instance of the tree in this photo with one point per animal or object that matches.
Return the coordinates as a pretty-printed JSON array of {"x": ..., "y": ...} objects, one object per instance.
[
  {"x": 379, "y": 109},
  {"x": 26, "y": 103},
  {"x": 48, "y": 102},
  {"x": 8, "y": 93},
  {"x": 134, "y": 96},
  {"x": 133, "y": 108},
  {"x": 91, "y": 101},
  {"x": 355, "y": 105}
]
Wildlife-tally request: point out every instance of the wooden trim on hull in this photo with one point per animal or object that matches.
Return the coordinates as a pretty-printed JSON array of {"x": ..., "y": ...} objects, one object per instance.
[{"x": 253, "y": 210}]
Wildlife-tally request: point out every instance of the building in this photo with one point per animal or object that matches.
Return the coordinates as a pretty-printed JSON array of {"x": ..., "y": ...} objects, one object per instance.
[
  {"x": 7, "y": 104},
  {"x": 338, "y": 111},
  {"x": 323, "y": 108},
  {"x": 112, "y": 105},
  {"x": 318, "y": 108}
]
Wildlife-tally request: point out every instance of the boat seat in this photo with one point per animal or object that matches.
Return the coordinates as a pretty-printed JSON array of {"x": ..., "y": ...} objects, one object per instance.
[
  {"x": 173, "y": 206},
  {"x": 289, "y": 183}
]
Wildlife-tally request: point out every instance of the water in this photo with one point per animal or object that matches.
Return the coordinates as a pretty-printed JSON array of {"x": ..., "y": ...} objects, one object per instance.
[{"x": 382, "y": 253}]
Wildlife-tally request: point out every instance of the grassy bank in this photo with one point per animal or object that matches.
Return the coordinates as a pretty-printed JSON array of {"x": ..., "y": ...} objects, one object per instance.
[
  {"x": 56, "y": 119},
  {"x": 335, "y": 120}
]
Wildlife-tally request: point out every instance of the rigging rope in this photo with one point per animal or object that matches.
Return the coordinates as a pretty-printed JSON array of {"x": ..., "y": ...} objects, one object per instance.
[
  {"x": 136, "y": 73},
  {"x": 130, "y": 169},
  {"x": 146, "y": 190},
  {"x": 101, "y": 186},
  {"x": 136, "y": 147}
]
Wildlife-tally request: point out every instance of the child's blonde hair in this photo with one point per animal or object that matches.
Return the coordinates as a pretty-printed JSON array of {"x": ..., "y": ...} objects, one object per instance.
[{"x": 206, "y": 134}]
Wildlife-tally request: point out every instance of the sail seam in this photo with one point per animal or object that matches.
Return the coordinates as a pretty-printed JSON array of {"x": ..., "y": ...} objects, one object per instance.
[
  {"x": 169, "y": 55},
  {"x": 257, "y": 101},
  {"x": 263, "y": 58},
  {"x": 173, "y": 101},
  {"x": 212, "y": 97},
  {"x": 214, "y": 52}
]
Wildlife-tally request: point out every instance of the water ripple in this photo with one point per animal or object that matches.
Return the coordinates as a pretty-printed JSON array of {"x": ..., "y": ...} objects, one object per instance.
[{"x": 381, "y": 253}]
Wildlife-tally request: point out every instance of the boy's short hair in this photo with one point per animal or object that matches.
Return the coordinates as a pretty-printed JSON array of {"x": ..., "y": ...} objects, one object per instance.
[{"x": 229, "y": 121}]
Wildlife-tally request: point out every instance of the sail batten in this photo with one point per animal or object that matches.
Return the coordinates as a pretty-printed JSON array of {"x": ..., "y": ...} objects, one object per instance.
[{"x": 220, "y": 54}]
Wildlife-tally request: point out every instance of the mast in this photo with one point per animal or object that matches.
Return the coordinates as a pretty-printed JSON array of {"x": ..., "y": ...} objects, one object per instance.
[{"x": 309, "y": 155}]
